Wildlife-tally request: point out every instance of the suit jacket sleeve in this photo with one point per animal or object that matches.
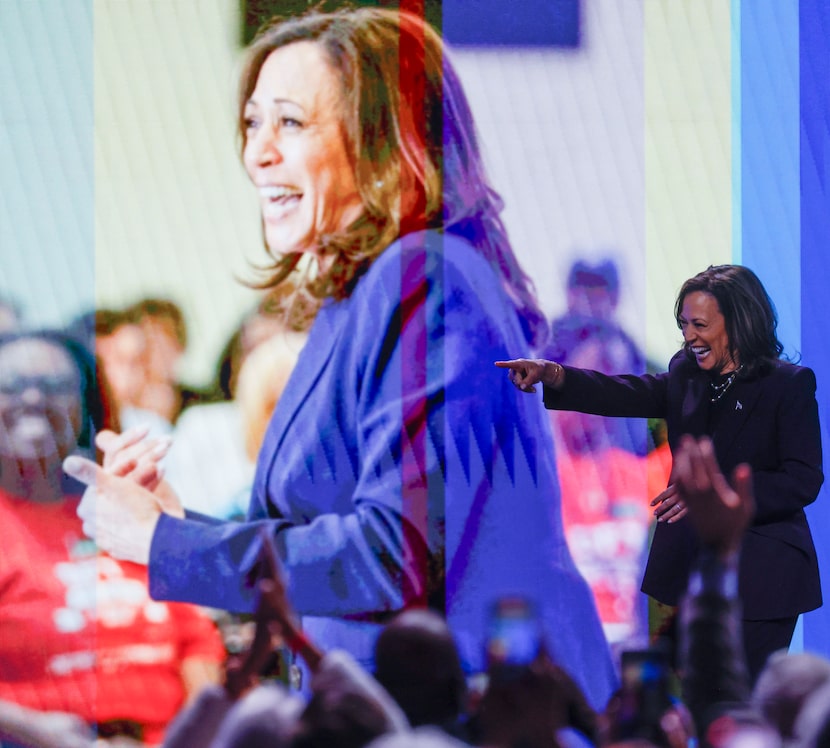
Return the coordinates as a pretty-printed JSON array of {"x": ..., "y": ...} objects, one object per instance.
[
  {"x": 627, "y": 396},
  {"x": 408, "y": 352},
  {"x": 785, "y": 489}
]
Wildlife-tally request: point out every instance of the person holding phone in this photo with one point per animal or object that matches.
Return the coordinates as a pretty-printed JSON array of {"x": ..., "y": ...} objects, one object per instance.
[{"x": 730, "y": 383}]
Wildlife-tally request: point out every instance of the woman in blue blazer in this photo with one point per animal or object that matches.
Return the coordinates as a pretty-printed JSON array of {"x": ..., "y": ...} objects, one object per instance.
[
  {"x": 728, "y": 382},
  {"x": 398, "y": 470}
]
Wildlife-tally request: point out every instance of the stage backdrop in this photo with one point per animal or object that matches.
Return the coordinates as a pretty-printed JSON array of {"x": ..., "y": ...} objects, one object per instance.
[{"x": 668, "y": 135}]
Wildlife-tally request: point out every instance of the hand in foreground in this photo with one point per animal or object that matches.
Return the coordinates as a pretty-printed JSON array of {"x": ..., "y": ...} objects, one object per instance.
[
  {"x": 44, "y": 729},
  {"x": 117, "y": 513},
  {"x": 527, "y": 372},
  {"x": 720, "y": 513},
  {"x": 132, "y": 455},
  {"x": 276, "y": 619},
  {"x": 670, "y": 507}
]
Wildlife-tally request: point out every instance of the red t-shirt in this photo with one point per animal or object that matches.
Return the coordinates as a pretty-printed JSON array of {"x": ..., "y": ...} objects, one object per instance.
[
  {"x": 78, "y": 630},
  {"x": 606, "y": 516}
]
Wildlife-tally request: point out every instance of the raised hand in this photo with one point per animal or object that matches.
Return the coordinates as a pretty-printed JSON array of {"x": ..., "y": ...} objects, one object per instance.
[
  {"x": 720, "y": 513},
  {"x": 132, "y": 455}
]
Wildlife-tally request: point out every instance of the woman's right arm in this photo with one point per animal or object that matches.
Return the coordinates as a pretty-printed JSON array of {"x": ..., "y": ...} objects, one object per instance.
[
  {"x": 623, "y": 396},
  {"x": 586, "y": 391}
]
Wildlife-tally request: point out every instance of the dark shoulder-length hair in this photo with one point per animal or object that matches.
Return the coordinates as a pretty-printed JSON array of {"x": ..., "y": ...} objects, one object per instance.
[
  {"x": 98, "y": 409},
  {"x": 411, "y": 141},
  {"x": 749, "y": 314}
]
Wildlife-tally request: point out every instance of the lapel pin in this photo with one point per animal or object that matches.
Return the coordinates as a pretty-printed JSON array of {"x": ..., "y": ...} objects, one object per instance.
[{"x": 738, "y": 405}]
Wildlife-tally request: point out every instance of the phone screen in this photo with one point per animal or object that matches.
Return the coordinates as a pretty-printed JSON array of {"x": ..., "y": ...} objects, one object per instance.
[
  {"x": 514, "y": 632},
  {"x": 645, "y": 691}
]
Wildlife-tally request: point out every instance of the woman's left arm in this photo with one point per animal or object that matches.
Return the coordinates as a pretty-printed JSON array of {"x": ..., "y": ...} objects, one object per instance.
[{"x": 795, "y": 481}]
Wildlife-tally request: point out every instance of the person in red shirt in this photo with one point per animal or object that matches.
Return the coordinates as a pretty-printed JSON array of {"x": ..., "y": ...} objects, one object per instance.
[{"x": 84, "y": 649}]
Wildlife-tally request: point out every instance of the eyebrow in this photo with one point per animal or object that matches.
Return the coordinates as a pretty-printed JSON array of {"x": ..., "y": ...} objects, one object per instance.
[{"x": 251, "y": 102}]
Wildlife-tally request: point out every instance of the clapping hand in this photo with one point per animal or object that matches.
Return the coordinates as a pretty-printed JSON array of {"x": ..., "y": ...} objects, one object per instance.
[
  {"x": 124, "y": 498},
  {"x": 720, "y": 513}
]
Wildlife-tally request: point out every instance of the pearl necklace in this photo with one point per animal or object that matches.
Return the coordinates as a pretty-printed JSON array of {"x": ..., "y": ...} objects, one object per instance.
[{"x": 719, "y": 390}]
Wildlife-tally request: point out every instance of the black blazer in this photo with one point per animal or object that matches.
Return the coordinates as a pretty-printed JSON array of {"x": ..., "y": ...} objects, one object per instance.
[{"x": 769, "y": 421}]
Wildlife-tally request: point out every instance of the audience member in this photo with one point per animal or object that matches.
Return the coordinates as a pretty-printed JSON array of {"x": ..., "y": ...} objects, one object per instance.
[
  {"x": 267, "y": 717},
  {"x": 417, "y": 662},
  {"x": 79, "y": 634},
  {"x": 421, "y": 737},
  {"x": 165, "y": 332},
  {"x": 784, "y": 686},
  {"x": 604, "y": 510},
  {"x": 212, "y": 459},
  {"x": 812, "y": 725},
  {"x": 11, "y": 315},
  {"x": 121, "y": 346},
  {"x": 592, "y": 295},
  {"x": 527, "y": 706}
]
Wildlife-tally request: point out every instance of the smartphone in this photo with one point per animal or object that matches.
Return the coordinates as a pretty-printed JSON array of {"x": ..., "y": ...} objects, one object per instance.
[
  {"x": 645, "y": 693},
  {"x": 514, "y": 633}
]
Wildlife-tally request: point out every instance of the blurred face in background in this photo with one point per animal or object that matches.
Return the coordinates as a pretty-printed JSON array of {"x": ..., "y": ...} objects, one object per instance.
[
  {"x": 123, "y": 356},
  {"x": 163, "y": 350},
  {"x": 40, "y": 401},
  {"x": 295, "y": 151}
]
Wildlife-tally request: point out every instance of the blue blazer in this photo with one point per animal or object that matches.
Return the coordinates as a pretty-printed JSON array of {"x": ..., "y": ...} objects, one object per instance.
[
  {"x": 769, "y": 421},
  {"x": 402, "y": 468}
]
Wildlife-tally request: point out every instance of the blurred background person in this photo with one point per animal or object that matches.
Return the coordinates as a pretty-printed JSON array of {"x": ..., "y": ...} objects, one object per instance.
[
  {"x": 601, "y": 461},
  {"x": 605, "y": 509},
  {"x": 121, "y": 347},
  {"x": 165, "y": 333},
  {"x": 79, "y": 634},
  {"x": 212, "y": 459},
  {"x": 11, "y": 314},
  {"x": 593, "y": 295}
]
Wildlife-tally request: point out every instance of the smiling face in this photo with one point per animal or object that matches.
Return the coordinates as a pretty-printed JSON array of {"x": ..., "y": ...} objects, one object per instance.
[
  {"x": 295, "y": 151},
  {"x": 704, "y": 331},
  {"x": 40, "y": 403}
]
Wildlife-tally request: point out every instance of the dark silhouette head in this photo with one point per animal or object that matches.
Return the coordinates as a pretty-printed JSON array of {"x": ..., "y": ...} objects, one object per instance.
[{"x": 417, "y": 662}]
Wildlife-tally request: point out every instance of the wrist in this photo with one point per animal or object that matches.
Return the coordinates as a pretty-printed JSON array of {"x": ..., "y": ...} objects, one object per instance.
[
  {"x": 715, "y": 572},
  {"x": 554, "y": 375}
]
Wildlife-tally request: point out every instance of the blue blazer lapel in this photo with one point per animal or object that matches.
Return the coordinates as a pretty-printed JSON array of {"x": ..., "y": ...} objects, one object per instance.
[{"x": 325, "y": 332}]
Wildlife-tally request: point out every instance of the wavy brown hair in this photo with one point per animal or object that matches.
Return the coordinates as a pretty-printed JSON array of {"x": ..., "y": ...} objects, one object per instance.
[{"x": 410, "y": 137}]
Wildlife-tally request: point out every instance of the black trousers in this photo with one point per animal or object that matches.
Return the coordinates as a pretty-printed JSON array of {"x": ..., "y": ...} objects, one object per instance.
[{"x": 762, "y": 638}]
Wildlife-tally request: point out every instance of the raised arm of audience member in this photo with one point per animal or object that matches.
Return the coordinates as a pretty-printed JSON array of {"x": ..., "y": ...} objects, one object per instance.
[
  {"x": 714, "y": 673},
  {"x": 204, "y": 719}
]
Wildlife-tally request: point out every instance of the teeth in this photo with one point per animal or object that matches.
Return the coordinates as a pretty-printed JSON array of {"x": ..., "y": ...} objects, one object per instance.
[
  {"x": 698, "y": 349},
  {"x": 275, "y": 192}
]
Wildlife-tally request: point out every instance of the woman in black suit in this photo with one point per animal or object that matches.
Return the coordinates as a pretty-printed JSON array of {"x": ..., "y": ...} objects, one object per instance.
[{"x": 730, "y": 383}]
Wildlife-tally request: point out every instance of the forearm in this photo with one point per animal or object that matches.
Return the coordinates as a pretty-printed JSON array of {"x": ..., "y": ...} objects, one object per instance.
[
  {"x": 713, "y": 661},
  {"x": 361, "y": 563},
  {"x": 627, "y": 396}
]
